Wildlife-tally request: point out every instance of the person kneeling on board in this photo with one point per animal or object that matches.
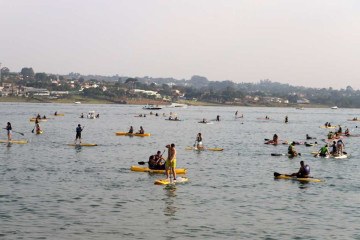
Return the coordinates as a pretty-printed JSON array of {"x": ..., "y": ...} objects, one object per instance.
[
  {"x": 291, "y": 150},
  {"x": 303, "y": 172},
  {"x": 156, "y": 161}
]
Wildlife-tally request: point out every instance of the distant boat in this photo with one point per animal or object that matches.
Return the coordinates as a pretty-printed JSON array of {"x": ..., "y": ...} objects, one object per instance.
[
  {"x": 300, "y": 108},
  {"x": 77, "y": 102},
  {"x": 178, "y": 105},
  {"x": 334, "y": 107},
  {"x": 152, "y": 107}
]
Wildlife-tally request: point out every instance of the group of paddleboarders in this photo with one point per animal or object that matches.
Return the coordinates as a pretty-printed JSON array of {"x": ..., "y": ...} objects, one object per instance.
[
  {"x": 337, "y": 149},
  {"x": 169, "y": 164}
]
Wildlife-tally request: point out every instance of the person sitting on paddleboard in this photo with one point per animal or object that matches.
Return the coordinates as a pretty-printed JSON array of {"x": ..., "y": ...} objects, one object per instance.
[
  {"x": 170, "y": 163},
  {"x": 275, "y": 139},
  {"x": 55, "y": 113},
  {"x": 347, "y": 132},
  {"x": 204, "y": 120},
  {"x": 303, "y": 172},
  {"x": 156, "y": 114},
  {"x": 78, "y": 133},
  {"x": 330, "y": 135},
  {"x": 82, "y": 115},
  {"x": 141, "y": 131},
  {"x": 308, "y": 137},
  {"x": 131, "y": 130},
  {"x": 218, "y": 118},
  {"x": 334, "y": 148},
  {"x": 44, "y": 117},
  {"x": 324, "y": 151},
  {"x": 340, "y": 147},
  {"x": 38, "y": 116},
  {"x": 339, "y": 130},
  {"x": 198, "y": 141},
  {"x": 286, "y": 119},
  {"x": 291, "y": 150},
  {"x": 8, "y": 129},
  {"x": 157, "y": 161}
]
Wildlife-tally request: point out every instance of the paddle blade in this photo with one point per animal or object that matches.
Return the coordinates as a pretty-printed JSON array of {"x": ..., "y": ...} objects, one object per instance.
[{"x": 141, "y": 163}]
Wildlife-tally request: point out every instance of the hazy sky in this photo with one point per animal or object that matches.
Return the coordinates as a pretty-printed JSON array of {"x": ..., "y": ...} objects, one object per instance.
[{"x": 314, "y": 43}]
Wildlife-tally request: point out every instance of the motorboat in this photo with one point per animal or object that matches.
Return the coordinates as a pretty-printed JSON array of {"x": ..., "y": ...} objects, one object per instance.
[
  {"x": 334, "y": 107},
  {"x": 179, "y": 105},
  {"x": 152, "y": 107}
]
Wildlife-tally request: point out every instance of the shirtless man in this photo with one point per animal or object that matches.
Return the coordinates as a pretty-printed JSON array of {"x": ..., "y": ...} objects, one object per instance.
[{"x": 170, "y": 163}]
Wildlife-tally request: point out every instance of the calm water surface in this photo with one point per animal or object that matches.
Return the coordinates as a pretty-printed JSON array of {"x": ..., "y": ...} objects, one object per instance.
[{"x": 49, "y": 190}]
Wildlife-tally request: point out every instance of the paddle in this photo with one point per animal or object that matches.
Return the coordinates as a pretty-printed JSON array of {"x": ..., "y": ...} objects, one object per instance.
[{"x": 22, "y": 134}]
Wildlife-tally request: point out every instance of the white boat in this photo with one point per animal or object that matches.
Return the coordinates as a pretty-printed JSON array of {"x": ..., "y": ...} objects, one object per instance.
[
  {"x": 178, "y": 105},
  {"x": 152, "y": 107},
  {"x": 334, "y": 107},
  {"x": 77, "y": 102}
]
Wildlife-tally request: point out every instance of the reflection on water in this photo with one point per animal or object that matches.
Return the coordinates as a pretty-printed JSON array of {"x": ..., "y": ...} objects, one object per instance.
[{"x": 170, "y": 194}]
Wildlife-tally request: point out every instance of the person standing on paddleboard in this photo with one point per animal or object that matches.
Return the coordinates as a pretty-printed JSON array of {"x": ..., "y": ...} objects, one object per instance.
[
  {"x": 199, "y": 144},
  {"x": 78, "y": 133},
  {"x": 8, "y": 129},
  {"x": 170, "y": 163}
]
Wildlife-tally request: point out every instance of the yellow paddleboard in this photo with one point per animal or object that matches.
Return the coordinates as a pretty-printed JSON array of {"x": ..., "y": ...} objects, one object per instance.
[
  {"x": 146, "y": 169},
  {"x": 14, "y": 141},
  {"x": 132, "y": 134},
  {"x": 167, "y": 181}
]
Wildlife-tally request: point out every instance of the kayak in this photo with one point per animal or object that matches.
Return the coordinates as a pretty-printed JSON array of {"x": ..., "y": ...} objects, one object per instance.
[
  {"x": 83, "y": 144},
  {"x": 39, "y": 132},
  {"x": 327, "y": 127},
  {"x": 146, "y": 169},
  {"x": 132, "y": 134},
  {"x": 167, "y": 181},
  {"x": 203, "y": 149},
  {"x": 288, "y": 177},
  {"x": 39, "y": 119},
  {"x": 14, "y": 141}
]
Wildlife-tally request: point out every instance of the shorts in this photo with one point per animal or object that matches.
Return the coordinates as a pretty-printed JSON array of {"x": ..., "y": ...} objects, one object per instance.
[
  {"x": 78, "y": 135},
  {"x": 169, "y": 164}
]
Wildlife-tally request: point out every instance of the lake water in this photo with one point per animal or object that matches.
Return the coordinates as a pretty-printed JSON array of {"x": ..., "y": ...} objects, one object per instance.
[{"x": 49, "y": 190}]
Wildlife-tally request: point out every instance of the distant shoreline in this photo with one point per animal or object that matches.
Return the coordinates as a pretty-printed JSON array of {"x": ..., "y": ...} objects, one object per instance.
[{"x": 143, "y": 101}]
